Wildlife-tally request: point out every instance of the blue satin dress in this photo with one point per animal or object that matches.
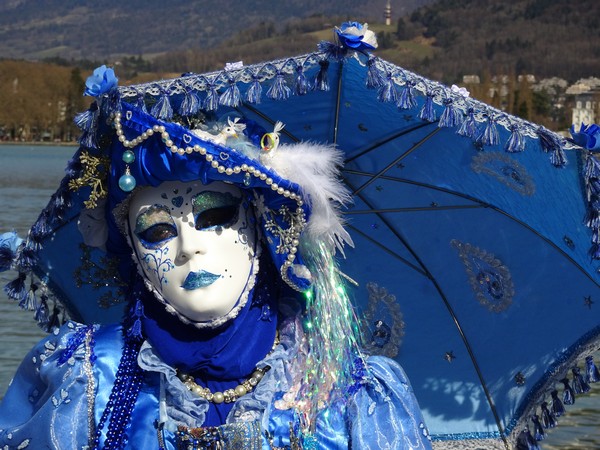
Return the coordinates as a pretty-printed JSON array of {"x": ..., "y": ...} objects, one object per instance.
[{"x": 56, "y": 398}]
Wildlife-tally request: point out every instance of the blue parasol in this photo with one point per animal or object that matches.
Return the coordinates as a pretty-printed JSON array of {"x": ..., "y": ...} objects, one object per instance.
[{"x": 473, "y": 265}]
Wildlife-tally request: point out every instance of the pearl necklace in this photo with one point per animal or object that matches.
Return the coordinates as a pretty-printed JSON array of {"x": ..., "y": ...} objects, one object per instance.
[{"x": 229, "y": 395}]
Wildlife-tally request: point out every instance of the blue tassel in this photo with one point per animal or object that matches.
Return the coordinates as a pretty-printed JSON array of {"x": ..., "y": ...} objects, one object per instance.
[
  {"x": 580, "y": 386},
  {"x": 321, "y": 79},
  {"x": 548, "y": 420},
  {"x": 591, "y": 371},
  {"x": 387, "y": 91},
  {"x": 332, "y": 51},
  {"x": 538, "y": 430},
  {"x": 254, "y": 92},
  {"x": 57, "y": 207},
  {"x": 162, "y": 109},
  {"x": 140, "y": 102},
  {"x": 6, "y": 258},
  {"x": 41, "y": 313},
  {"x": 552, "y": 144},
  {"x": 515, "y": 143},
  {"x": 26, "y": 259},
  {"x": 374, "y": 78},
  {"x": 15, "y": 290},
  {"x": 279, "y": 89},
  {"x": 428, "y": 112},
  {"x": 469, "y": 126},
  {"x": 111, "y": 102},
  {"x": 490, "y": 133},
  {"x": 525, "y": 441},
  {"x": 301, "y": 83},
  {"x": 231, "y": 96},
  {"x": 54, "y": 320},
  {"x": 407, "y": 97},
  {"x": 568, "y": 393},
  {"x": 87, "y": 120},
  {"x": 29, "y": 302},
  {"x": 190, "y": 103},
  {"x": 211, "y": 102},
  {"x": 558, "y": 408},
  {"x": 449, "y": 117}
]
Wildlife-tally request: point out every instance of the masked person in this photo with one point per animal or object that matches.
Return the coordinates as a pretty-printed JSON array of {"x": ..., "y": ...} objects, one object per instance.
[{"x": 238, "y": 333}]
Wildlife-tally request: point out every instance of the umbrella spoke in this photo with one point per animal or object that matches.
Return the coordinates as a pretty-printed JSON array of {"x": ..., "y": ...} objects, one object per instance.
[
  {"x": 397, "y": 160},
  {"x": 412, "y": 209},
  {"x": 378, "y": 144}
]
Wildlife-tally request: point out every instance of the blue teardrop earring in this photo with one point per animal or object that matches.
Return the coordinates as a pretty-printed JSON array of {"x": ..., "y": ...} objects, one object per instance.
[{"x": 127, "y": 181}]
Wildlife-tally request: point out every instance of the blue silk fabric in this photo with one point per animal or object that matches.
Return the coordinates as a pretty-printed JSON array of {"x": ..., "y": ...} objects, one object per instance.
[{"x": 46, "y": 405}]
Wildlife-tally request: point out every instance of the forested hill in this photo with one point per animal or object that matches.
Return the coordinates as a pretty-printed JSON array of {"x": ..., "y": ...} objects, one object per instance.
[
  {"x": 543, "y": 37},
  {"x": 90, "y": 29}
]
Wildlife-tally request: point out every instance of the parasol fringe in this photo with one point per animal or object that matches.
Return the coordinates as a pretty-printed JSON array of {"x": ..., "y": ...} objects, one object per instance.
[
  {"x": 211, "y": 102},
  {"x": 591, "y": 371},
  {"x": 490, "y": 136},
  {"x": 42, "y": 315},
  {"x": 231, "y": 96},
  {"x": 374, "y": 78},
  {"x": 321, "y": 82},
  {"x": 162, "y": 109},
  {"x": 558, "y": 409},
  {"x": 449, "y": 118},
  {"x": 407, "y": 97},
  {"x": 580, "y": 386},
  {"x": 15, "y": 289},
  {"x": 469, "y": 126},
  {"x": 387, "y": 92},
  {"x": 254, "y": 92},
  {"x": 515, "y": 142},
  {"x": 301, "y": 85},
  {"x": 551, "y": 144},
  {"x": 538, "y": 431},
  {"x": 547, "y": 419},
  {"x": 428, "y": 112},
  {"x": 29, "y": 301},
  {"x": 279, "y": 90},
  {"x": 568, "y": 392},
  {"x": 525, "y": 441},
  {"x": 190, "y": 103},
  {"x": 140, "y": 102}
]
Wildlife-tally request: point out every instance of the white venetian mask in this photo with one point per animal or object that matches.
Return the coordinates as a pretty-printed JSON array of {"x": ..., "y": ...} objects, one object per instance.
[{"x": 195, "y": 245}]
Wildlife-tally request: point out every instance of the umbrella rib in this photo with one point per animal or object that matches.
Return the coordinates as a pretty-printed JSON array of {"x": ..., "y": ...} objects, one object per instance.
[
  {"x": 462, "y": 334},
  {"x": 395, "y": 161},
  {"x": 386, "y": 140},
  {"x": 413, "y": 209},
  {"x": 482, "y": 205},
  {"x": 338, "y": 102},
  {"x": 387, "y": 250}
]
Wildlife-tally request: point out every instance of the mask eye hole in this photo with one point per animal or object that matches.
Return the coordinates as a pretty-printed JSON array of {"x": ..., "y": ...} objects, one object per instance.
[
  {"x": 156, "y": 235},
  {"x": 225, "y": 217}
]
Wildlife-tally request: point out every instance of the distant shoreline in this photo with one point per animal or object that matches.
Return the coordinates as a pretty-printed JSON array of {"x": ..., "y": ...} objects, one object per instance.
[{"x": 40, "y": 143}]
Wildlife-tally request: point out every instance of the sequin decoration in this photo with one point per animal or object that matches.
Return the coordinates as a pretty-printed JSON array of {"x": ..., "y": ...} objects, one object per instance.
[
  {"x": 100, "y": 275},
  {"x": 504, "y": 169},
  {"x": 489, "y": 278},
  {"x": 382, "y": 326},
  {"x": 239, "y": 435}
]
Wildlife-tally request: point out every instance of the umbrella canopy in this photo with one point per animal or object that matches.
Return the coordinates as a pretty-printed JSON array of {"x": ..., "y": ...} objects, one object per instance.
[{"x": 471, "y": 264}]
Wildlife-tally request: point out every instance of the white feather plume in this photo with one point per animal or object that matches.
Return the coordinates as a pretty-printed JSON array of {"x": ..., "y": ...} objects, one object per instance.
[{"x": 315, "y": 167}]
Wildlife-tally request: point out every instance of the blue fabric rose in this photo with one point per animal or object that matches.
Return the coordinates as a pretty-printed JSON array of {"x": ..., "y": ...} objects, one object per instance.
[
  {"x": 100, "y": 82},
  {"x": 9, "y": 242},
  {"x": 587, "y": 137},
  {"x": 355, "y": 36}
]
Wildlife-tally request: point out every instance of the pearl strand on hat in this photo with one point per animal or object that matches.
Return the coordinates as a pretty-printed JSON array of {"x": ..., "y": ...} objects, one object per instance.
[{"x": 129, "y": 181}]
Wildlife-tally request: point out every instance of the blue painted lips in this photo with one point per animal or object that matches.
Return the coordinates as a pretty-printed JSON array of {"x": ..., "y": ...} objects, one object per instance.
[{"x": 199, "y": 279}]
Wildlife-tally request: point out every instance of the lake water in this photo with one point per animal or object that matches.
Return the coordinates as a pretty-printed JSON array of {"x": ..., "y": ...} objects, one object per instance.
[{"x": 30, "y": 174}]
